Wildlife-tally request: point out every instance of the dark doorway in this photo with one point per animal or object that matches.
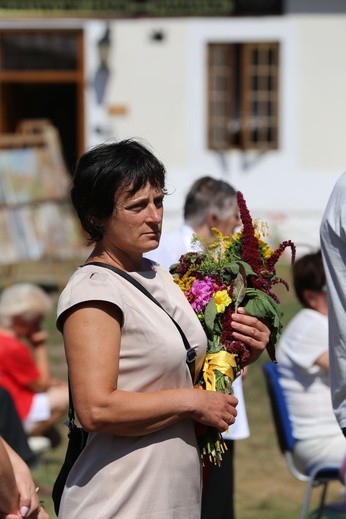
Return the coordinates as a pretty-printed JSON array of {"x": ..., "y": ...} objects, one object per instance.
[
  {"x": 42, "y": 77},
  {"x": 55, "y": 102}
]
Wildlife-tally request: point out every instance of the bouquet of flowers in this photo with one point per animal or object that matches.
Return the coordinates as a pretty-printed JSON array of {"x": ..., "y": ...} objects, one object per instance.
[{"x": 233, "y": 270}]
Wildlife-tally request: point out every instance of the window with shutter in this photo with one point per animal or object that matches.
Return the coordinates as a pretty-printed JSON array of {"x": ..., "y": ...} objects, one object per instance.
[{"x": 243, "y": 96}]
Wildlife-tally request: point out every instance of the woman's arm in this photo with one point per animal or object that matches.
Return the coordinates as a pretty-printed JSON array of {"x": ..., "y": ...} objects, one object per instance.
[
  {"x": 323, "y": 361},
  {"x": 8, "y": 489},
  {"x": 92, "y": 340},
  {"x": 18, "y": 496}
]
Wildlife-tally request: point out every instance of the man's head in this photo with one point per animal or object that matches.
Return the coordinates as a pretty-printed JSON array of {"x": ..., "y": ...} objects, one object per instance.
[{"x": 211, "y": 203}]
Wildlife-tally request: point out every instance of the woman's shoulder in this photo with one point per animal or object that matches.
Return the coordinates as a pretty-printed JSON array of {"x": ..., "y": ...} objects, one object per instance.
[
  {"x": 90, "y": 283},
  {"x": 312, "y": 316},
  {"x": 86, "y": 278},
  {"x": 305, "y": 316}
]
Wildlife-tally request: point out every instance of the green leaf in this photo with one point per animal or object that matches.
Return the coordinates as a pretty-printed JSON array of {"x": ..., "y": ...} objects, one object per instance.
[
  {"x": 231, "y": 266},
  {"x": 209, "y": 316},
  {"x": 247, "y": 268},
  {"x": 239, "y": 289},
  {"x": 262, "y": 306},
  {"x": 213, "y": 346},
  {"x": 217, "y": 326}
]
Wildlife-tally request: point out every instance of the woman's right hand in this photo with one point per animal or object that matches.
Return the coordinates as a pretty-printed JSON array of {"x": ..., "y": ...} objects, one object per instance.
[{"x": 214, "y": 408}]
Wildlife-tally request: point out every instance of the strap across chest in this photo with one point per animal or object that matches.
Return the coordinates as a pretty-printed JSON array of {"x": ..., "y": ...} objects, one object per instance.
[{"x": 190, "y": 352}]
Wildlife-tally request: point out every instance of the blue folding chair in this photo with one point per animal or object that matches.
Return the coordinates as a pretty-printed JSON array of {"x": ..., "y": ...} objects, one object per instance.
[{"x": 320, "y": 475}]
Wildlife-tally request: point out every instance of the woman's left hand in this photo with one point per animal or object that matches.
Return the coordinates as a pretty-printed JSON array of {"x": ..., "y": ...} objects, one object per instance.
[
  {"x": 28, "y": 505},
  {"x": 251, "y": 331}
]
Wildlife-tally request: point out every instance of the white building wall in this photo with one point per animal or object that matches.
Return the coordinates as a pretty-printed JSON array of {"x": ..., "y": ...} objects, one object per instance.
[
  {"x": 323, "y": 86},
  {"x": 163, "y": 85},
  {"x": 149, "y": 79}
]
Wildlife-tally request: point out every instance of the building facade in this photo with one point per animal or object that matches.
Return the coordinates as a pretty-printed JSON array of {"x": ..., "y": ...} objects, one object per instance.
[{"x": 255, "y": 100}]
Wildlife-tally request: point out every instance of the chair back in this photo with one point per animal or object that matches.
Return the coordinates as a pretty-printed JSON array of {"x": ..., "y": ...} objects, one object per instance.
[
  {"x": 279, "y": 407},
  {"x": 318, "y": 475}
]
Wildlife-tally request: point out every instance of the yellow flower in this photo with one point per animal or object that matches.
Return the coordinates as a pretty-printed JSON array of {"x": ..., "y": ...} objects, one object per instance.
[
  {"x": 235, "y": 239},
  {"x": 185, "y": 281},
  {"x": 265, "y": 250},
  {"x": 221, "y": 241},
  {"x": 221, "y": 299}
]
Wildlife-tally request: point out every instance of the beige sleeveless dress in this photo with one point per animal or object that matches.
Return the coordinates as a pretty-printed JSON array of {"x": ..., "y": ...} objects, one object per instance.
[{"x": 156, "y": 476}]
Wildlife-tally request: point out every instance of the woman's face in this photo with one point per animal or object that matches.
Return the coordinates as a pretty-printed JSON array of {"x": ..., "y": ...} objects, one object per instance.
[
  {"x": 228, "y": 225},
  {"x": 135, "y": 226}
]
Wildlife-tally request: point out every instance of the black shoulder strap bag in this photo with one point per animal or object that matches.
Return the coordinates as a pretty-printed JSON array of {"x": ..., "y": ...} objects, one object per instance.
[{"x": 77, "y": 437}]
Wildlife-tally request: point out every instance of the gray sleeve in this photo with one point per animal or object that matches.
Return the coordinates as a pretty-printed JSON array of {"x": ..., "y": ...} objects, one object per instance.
[{"x": 333, "y": 246}]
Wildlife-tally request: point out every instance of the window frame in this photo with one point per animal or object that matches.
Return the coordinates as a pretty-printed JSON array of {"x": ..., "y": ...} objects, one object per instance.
[{"x": 245, "y": 79}]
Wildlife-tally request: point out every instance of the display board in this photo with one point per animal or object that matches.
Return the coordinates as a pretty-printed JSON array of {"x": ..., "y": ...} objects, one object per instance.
[{"x": 36, "y": 218}]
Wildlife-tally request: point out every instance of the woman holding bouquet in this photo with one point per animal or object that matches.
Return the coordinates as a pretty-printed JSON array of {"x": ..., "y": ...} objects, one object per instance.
[{"x": 131, "y": 384}]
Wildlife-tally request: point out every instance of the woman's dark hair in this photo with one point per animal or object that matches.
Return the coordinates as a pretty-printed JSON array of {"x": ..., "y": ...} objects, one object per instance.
[
  {"x": 103, "y": 172},
  {"x": 308, "y": 274}
]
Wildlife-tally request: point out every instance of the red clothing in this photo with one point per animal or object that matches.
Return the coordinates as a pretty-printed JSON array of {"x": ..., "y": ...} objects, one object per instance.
[{"x": 17, "y": 370}]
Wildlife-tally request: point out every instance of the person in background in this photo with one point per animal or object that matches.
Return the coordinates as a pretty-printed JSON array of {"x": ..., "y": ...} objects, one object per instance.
[
  {"x": 333, "y": 245},
  {"x": 18, "y": 496},
  {"x": 11, "y": 428},
  {"x": 210, "y": 203},
  {"x": 131, "y": 385},
  {"x": 303, "y": 361},
  {"x": 40, "y": 400},
  {"x": 12, "y": 431}
]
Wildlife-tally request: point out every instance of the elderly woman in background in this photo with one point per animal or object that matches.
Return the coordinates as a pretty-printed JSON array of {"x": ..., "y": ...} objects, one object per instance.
[
  {"x": 24, "y": 365},
  {"x": 131, "y": 384}
]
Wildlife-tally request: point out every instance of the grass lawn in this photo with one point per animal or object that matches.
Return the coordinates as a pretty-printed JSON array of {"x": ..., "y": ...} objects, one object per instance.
[{"x": 264, "y": 487}]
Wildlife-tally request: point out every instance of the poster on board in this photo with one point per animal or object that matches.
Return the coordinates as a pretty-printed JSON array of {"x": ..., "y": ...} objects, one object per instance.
[{"x": 36, "y": 219}]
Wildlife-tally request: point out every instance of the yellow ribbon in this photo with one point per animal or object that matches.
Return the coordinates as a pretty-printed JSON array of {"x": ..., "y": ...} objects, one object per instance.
[{"x": 224, "y": 362}]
